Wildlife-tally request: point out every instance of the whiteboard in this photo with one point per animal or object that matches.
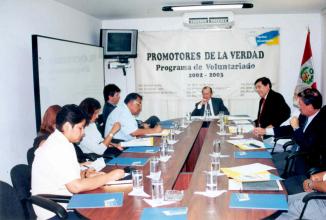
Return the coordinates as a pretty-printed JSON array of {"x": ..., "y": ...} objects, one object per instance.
[{"x": 65, "y": 72}]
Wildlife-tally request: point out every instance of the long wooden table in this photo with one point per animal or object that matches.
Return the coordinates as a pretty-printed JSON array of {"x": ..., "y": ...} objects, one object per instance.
[
  {"x": 199, "y": 207},
  {"x": 132, "y": 206}
]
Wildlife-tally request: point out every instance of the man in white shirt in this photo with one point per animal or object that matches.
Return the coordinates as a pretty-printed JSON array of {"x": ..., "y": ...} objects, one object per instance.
[
  {"x": 209, "y": 104},
  {"x": 55, "y": 168},
  {"x": 125, "y": 114}
]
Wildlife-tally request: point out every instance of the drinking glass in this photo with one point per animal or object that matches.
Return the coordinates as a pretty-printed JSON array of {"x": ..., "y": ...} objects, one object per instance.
[
  {"x": 157, "y": 190},
  {"x": 154, "y": 168},
  {"x": 137, "y": 180},
  {"x": 211, "y": 182}
]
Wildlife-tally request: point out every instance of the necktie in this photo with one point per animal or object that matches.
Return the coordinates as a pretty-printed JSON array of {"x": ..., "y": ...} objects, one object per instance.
[
  {"x": 261, "y": 110},
  {"x": 208, "y": 108}
]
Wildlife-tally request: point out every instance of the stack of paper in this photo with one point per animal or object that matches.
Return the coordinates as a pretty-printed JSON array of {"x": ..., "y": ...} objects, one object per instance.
[
  {"x": 250, "y": 173},
  {"x": 138, "y": 142},
  {"x": 248, "y": 144},
  {"x": 164, "y": 132}
]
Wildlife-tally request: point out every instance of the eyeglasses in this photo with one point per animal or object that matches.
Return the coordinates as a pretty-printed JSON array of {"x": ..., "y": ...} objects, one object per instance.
[{"x": 138, "y": 103}]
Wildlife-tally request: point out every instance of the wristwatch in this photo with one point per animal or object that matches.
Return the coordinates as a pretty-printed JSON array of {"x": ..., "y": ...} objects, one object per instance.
[{"x": 111, "y": 134}]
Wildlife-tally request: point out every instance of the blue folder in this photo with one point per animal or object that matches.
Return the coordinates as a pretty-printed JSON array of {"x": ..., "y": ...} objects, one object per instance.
[
  {"x": 166, "y": 124},
  {"x": 258, "y": 201},
  {"x": 128, "y": 161},
  {"x": 179, "y": 213},
  {"x": 142, "y": 150},
  {"x": 252, "y": 154},
  {"x": 96, "y": 200}
]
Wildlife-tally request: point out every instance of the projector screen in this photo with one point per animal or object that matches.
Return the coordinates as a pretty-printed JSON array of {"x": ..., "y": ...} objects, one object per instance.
[{"x": 65, "y": 72}]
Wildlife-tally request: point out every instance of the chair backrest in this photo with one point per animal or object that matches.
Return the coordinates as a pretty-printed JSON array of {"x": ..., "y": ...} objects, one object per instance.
[
  {"x": 10, "y": 206},
  {"x": 21, "y": 181},
  {"x": 30, "y": 155}
]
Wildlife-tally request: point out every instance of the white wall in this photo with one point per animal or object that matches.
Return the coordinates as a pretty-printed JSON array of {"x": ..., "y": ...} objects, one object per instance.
[
  {"x": 323, "y": 37},
  {"x": 19, "y": 19},
  {"x": 293, "y": 28}
]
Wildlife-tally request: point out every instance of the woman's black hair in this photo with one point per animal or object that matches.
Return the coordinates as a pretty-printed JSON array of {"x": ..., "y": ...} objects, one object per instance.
[
  {"x": 89, "y": 106},
  {"x": 71, "y": 114}
]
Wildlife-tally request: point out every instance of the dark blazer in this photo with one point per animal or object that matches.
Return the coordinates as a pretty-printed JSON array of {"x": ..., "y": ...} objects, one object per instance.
[
  {"x": 275, "y": 110},
  {"x": 313, "y": 140},
  {"x": 218, "y": 106}
]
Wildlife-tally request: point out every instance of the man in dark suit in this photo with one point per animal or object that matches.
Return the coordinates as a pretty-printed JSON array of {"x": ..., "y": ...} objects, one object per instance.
[
  {"x": 308, "y": 131},
  {"x": 273, "y": 110},
  {"x": 212, "y": 105},
  {"x": 111, "y": 94}
]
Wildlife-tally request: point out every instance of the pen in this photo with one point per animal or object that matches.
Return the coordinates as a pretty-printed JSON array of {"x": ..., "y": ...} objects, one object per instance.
[{"x": 254, "y": 145}]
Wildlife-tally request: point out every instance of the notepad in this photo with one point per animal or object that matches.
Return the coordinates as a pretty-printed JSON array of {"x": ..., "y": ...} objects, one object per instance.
[
  {"x": 164, "y": 132},
  {"x": 142, "y": 150},
  {"x": 128, "y": 161},
  {"x": 127, "y": 179},
  {"x": 250, "y": 155},
  {"x": 258, "y": 201},
  {"x": 96, "y": 200},
  {"x": 179, "y": 213},
  {"x": 248, "y": 144},
  {"x": 149, "y": 141}
]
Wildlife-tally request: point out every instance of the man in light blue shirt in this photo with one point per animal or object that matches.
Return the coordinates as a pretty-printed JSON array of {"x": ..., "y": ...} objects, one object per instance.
[{"x": 125, "y": 114}]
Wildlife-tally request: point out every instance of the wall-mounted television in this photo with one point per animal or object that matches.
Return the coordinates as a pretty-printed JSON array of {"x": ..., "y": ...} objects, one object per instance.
[{"x": 119, "y": 43}]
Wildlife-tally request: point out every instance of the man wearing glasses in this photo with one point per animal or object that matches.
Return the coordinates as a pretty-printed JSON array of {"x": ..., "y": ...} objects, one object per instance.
[{"x": 125, "y": 114}]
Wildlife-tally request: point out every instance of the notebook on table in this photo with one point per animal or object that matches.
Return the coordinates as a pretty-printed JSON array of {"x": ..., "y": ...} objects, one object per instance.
[{"x": 96, "y": 200}]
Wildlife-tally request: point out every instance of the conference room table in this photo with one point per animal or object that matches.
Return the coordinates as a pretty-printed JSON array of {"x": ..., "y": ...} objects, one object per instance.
[{"x": 199, "y": 206}]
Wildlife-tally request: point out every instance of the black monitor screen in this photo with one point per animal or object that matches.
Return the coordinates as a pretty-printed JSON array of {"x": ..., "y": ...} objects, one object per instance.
[{"x": 119, "y": 42}]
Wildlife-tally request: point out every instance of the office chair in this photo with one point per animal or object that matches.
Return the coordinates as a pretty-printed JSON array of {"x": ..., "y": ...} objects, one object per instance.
[
  {"x": 30, "y": 155},
  {"x": 21, "y": 181},
  {"x": 12, "y": 209},
  {"x": 100, "y": 124}
]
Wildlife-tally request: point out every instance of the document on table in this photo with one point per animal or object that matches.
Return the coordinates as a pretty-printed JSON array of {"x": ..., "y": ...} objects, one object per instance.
[
  {"x": 272, "y": 185},
  {"x": 165, "y": 132},
  {"x": 149, "y": 141},
  {"x": 248, "y": 144}
]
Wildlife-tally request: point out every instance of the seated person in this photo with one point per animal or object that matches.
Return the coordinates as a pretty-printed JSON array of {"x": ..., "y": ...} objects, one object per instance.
[
  {"x": 213, "y": 105},
  {"x": 47, "y": 128},
  {"x": 93, "y": 141},
  {"x": 125, "y": 114},
  {"x": 308, "y": 131},
  {"x": 273, "y": 110},
  {"x": 111, "y": 94},
  {"x": 47, "y": 125},
  {"x": 56, "y": 170},
  {"x": 316, "y": 209}
]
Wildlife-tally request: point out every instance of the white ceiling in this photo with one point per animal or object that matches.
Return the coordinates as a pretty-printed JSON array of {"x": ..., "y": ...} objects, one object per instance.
[{"x": 117, "y": 9}]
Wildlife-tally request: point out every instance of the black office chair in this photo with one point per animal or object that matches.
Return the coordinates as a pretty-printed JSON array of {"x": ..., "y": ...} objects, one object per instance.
[
  {"x": 100, "y": 124},
  {"x": 12, "y": 209},
  {"x": 30, "y": 155},
  {"x": 21, "y": 181}
]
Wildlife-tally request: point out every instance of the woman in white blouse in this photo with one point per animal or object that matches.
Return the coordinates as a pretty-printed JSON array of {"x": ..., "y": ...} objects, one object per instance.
[{"x": 93, "y": 142}]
